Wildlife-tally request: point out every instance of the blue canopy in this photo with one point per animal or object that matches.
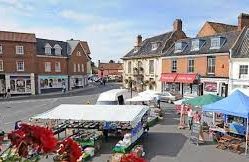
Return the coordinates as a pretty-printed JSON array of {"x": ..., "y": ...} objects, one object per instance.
[{"x": 237, "y": 104}]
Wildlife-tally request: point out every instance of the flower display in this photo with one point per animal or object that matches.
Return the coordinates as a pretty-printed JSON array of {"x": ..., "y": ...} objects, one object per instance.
[{"x": 69, "y": 151}]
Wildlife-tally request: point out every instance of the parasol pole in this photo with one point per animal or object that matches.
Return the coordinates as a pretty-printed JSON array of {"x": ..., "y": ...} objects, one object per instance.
[{"x": 247, "y": 134}]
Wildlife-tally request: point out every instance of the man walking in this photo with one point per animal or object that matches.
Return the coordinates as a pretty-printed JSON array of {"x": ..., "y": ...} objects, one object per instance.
[{"x": 190, "y": 118}]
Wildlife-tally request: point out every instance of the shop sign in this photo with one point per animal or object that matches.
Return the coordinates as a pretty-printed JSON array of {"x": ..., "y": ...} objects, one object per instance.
[
  {"x": 195, "y": 133},
  {"x": 210, "y": 86},
  {"x": 185, "y": 78},
  {"x": 168, "y": 77}
]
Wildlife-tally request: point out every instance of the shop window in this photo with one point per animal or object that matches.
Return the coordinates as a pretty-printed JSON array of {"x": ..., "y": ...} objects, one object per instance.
[
  {"x": 211, "y": 65},
  {"x": 243, "y": 70},
  {"x": 74, "y": 67},
  {"x": 19, "y": 50},
  {"x": 12, "y": 85},
  {"x": 1, "y": 49},
  {"x": 1, "y": 65},
  {"x": 47, "y": 66},
  {"x": 20, "y": 65},
  {"x": 57, "y": 67},
  {"x": 151, "y": 66},
  {"x": 78, "y": 67},
  {"x": 174, "y": 66},
  {"x": 191, "y": 64},
  {"x": 129, "y": 67}
]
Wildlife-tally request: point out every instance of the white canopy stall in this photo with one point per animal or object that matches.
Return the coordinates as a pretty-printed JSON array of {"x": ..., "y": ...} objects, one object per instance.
[
  {"x": 98, "y": 113},
  {"x": 140, "y": 99}
]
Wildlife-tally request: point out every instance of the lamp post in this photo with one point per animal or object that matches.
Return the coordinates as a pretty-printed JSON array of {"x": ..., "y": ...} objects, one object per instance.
[{"x": 130, "y": 85}]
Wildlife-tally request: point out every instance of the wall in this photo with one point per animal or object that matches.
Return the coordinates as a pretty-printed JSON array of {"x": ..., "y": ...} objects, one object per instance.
[{"x": 206, "y": 30}]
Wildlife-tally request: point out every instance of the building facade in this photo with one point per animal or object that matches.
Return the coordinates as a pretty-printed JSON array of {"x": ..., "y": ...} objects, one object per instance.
[
  {"x": 113, "y": 71},
  {"x": 17, "y": 62},
  {"x": 142, "y": 65}
]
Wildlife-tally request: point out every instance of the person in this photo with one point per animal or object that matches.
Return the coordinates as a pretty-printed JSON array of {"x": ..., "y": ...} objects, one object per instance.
[
  {"x": 17, "y": 124},
  {"x": 197, "y": 117},
  {"x": 105, "y": 134},
  {"x": 190, "y": 118},
  {"x": 8, "y": 93},
  {"x": 104, "y": 81},
  {"x": 158, "y": 100},
  {"x": 63, "y": 88}
]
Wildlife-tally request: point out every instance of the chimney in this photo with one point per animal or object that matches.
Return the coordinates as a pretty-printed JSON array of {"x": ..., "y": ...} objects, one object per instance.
[
  {"x": 243, "y": 21},
  {"x": 177, "y": 25},
  {"x": 139, "y": 41},
  {"x": 98, "y": 63}
]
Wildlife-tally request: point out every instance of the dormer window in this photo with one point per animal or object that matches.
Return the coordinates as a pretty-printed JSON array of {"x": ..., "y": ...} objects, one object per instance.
[
  {"x": 57, "y": 48},
  {"x": 48, "y": 49},
  {"x": 154, "y": 45},
  {"x": 180, "y": 46},
  {"x": 215, "y": 43},
  {"x": 136, "y": 48},
  {"x": 195, "y": 45}
]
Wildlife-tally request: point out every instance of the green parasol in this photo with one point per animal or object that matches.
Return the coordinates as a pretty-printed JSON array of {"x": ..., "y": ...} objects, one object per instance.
[{"x": 202, "y": 100}]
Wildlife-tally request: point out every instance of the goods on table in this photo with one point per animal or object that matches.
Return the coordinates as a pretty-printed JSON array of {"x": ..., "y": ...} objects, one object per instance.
[
  {"x": 116, "y": 157},
  {"x": 122, "y": 145},
  {"x": 138, "y": 150}
]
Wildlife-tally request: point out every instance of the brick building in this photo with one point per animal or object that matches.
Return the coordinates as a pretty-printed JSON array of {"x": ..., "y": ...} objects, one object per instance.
[
  {"x": 30, "y": 65},
  {"x": 142, "y": 64},
  {"x": 201, "y": 64},
  {"x": 114, "y": 71},
  {"x": 17, "y": 62}
]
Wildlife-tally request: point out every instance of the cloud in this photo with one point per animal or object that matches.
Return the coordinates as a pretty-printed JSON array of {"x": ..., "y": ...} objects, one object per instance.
[{"x": 75, "y": 16}]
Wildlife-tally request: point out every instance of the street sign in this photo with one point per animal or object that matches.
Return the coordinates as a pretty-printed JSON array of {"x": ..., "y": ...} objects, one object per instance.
[{"x": 195, "y": 132}]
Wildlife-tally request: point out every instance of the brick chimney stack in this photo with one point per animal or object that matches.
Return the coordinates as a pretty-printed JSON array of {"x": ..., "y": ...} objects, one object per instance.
[
  {"x": 139, "y": 41},
  {"x": 243, "y": 20},
  {"x": 98, "y": 63},
  {"x": 177, "y": 25}
]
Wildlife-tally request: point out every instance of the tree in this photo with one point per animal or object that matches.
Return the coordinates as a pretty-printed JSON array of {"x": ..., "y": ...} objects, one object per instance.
[{"x": 111, "y": 61}]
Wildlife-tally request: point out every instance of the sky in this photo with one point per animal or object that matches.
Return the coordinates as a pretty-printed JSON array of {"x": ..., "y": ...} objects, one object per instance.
[{"x": 111, "y": 26}]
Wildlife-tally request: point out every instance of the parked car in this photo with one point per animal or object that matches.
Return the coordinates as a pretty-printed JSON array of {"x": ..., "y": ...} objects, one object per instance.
[{"x": 170, "y": 97}]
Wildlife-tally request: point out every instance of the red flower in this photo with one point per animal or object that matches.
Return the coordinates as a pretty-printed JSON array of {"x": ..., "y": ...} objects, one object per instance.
[{"x": 131, "y": 158}]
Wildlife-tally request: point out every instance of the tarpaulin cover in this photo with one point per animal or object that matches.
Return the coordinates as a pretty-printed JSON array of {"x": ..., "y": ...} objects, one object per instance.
[{"x": 203, "y": 100}]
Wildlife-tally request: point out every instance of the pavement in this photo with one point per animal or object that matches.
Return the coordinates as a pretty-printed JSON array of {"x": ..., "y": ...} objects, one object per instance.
[{"x": 165, "y": 143}]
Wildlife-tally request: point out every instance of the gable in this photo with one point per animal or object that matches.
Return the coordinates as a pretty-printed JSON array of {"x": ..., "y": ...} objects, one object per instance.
[
  {"x": 82, "y": 51},
  {"x": 206, "y": 30}
]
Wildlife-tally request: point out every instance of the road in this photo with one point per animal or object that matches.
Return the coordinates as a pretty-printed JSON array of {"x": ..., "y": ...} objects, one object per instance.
[{"x": 12, "y": 111}]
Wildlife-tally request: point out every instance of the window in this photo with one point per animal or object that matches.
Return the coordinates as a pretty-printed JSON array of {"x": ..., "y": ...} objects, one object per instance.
[
  {"x": 135, "y": 49},
  {"x": 154, "y": 46},
  {"x": 195, "y": 45},
  {"x": 1, "y": 65},
  {"x": 82, "y": 68},
  {"x": 57, "y": 67},
  {"x": 48, "y": 49},
  {"x": 19, "y": 50},
  {"x": 78, "y": 53},
  {"x": 174, "y": 66},
  {"x": 78, "y": 67},
  {"x": 1, "y": 49},
  {"x": 20, "y": 65},
  {"x": 151, "y": 66},
  {"x": 191, "y": 64},
  {"x": 74, "y": 67},
  {"x": 47, "y": 66},
  {"x": 178, "y": 47},
  {"x": 57, "y": 48},
  {"x": 215, "y": 43},
  {"x": 129, "y": 67},
  {"x": 211, "y": 65},
  {"x": 243, "y": 69}
]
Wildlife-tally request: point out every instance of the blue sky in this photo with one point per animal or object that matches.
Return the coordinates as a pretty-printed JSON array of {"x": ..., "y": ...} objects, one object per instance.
[{"x": 111, "y": 26}]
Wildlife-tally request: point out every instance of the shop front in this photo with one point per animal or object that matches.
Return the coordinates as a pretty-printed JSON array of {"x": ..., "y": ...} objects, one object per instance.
[
  {"x": 52, "y": 83},
  {"x": 184, "y": 84},
  {"x": 20, "y": 83},
  {"x": 78, "y": 81},
  {"x": 216, "y": 86},
  {"x": 168, "y": 83}
]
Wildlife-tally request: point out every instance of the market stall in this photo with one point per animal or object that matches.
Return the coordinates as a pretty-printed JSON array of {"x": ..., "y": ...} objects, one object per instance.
[
  {"x": 235, "y": 105},
  {"x": 125, "y": 120}
]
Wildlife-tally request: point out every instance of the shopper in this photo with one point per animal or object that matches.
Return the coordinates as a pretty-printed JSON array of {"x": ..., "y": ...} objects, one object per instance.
[
  {"x": 197, "y": 117},
  {"x": 158, "y": 100},
  {"x": 190, "y": 118},
  {"x": 8, "y": 93}
]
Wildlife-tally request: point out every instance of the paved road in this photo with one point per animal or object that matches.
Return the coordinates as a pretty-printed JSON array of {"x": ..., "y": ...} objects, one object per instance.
[{"x": 12, "y": 111}]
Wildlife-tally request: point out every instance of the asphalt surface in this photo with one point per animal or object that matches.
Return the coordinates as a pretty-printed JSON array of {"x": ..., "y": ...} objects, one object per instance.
[{"x": 165, "y": 143}]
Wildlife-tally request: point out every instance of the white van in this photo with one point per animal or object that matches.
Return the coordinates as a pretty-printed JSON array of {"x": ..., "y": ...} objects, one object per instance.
[{"x": 113, "y": 97}]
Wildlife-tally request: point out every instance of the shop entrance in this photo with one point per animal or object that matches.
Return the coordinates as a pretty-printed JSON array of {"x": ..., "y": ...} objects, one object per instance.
[{"x": 2, "y": 84}]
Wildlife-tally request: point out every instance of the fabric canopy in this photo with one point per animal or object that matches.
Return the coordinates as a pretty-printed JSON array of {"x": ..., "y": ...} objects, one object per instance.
[
  {"x": 202, "y": 100},
  {"x": 110, "y": 113},
  {"x": 237, "y": 104},
  {"x": 185, "y": 78},
  {"x": 149, "y": 93},
  {"x": 168, "y": 77}
]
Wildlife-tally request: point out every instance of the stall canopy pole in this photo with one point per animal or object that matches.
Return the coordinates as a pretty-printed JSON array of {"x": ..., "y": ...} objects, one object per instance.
[{"x": 247, "y": 134}]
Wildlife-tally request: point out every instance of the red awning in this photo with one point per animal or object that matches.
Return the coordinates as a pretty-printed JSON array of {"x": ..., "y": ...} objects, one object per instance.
[
  {"x": 168, "y": 77},
  {"x": 185, "y": 78}
]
